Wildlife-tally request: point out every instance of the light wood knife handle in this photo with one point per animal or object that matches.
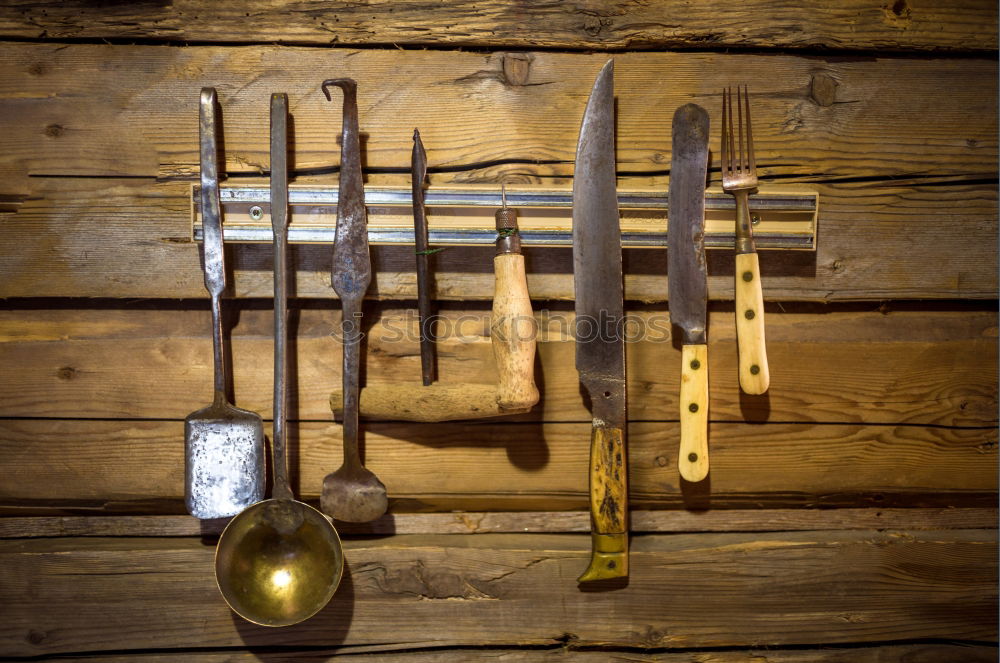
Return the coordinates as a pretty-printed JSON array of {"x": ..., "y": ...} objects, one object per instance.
[
  {"x": 608, "y": 504},
  {"x": 754, "y": 374},
  {"x": 513, "y": 333},
  {"x": 693, "y": 458}
]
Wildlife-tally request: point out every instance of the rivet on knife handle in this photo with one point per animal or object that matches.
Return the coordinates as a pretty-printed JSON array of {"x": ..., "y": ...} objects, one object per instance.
[{"x": 739, "y": 177}]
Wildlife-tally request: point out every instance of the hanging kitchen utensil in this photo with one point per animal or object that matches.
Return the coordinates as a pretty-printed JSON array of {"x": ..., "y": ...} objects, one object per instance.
[
  {"x": 223, "y": 445},
  {"x": 600, "y": 342},
  {"x": 688, "y": 282},
  {"x": 280, "y": 561},
  {"x": 352, "y": 493}
]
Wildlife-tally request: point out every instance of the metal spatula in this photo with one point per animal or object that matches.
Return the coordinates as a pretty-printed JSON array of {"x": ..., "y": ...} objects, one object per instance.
[{"x": 224, "y": 445}]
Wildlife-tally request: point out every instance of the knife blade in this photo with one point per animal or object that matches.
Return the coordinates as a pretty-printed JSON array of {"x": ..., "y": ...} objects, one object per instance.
[
  {"x": 418, "y": 171},
  {"x": 600, "y": 347},
  {"x": 688, "y": 281}
]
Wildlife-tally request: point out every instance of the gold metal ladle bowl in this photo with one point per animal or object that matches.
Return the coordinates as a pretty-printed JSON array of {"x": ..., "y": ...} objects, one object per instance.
[{"x": 279, "y": 562}]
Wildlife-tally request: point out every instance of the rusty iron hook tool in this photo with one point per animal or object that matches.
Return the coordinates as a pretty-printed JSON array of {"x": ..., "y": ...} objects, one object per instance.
[{"x": 352, "y": 493}]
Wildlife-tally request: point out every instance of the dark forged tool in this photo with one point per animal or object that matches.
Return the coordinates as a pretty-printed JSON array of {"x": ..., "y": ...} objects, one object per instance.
[
  {"x": 688, "y": 282},
  {"x": 223, "y": 445},
  {"x": 352, "y": 493},
  {"x": 600, "y": 346},
  {"x": 418, "y": 169},
  {"x": 279, "y": 561}
]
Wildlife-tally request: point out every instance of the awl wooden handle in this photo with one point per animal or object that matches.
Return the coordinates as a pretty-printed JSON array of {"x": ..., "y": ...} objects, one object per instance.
[
  {"x": 693, "y": 458},
  {"x": 513, "y": 331},
  {"x": 411, "y": 401},
  {"x": 754, "y": 374}
]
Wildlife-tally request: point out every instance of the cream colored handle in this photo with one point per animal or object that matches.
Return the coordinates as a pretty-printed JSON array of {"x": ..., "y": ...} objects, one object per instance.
[
  {"x": 514, "y": 334},
  {"x": 754, "y": 374},
  {"x": 693, "y": 458}
]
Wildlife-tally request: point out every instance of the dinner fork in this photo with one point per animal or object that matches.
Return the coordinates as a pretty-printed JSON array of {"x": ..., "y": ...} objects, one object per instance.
[{"x": 739, "y": 177}]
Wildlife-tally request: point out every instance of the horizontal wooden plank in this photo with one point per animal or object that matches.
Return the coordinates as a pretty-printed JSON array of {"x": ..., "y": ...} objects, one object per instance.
[
  {"x": 685, "y": 591},
  {"x": 914, "y": 25},
  {"x": 128, "y": 238},
  {"x": 893, "y": 367},
  {"x": 139, "y": 465},
  {"x": 537, "y": 522},
  {"x": 909, "y": 653},
  {"x": 105, "y": 110}
]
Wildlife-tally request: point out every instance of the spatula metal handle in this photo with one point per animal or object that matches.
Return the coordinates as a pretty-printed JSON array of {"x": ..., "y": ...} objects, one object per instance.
[
  {"x": 215, "y": 266},
  {"x": 693, "y": 457}
]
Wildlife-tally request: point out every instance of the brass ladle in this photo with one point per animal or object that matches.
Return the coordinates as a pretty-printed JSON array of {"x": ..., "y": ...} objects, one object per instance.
[{"x": 280, "y": 561}]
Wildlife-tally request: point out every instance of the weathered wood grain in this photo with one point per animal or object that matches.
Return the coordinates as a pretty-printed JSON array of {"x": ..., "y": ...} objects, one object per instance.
[
  {"x": 121, "y": 466},
  {"x": 917, "y": 25},
  {"x": 911, "y": 653},
  {"x": 104, "y": 110},
  {"x": 898, "y": 367},
  {"x": 83, "y": 237},
  {"x": 536, "y": 522},
  {"x": 686, "y": 591}
]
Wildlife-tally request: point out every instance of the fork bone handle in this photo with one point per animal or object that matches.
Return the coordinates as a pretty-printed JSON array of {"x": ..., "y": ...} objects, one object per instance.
[{"x": 753, "y": 369}]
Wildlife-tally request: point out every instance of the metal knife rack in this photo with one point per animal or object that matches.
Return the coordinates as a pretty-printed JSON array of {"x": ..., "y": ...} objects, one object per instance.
[{"x": 460, "y": 216}]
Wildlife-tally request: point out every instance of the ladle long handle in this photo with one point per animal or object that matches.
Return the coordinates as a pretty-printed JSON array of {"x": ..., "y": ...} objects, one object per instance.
[
  {"x": 279, "y": 224},
  {"x": 211, "y": 214}
]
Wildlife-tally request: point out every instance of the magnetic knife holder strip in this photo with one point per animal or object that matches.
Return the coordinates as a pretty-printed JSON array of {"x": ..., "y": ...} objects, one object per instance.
[{"x": 464, "y": 217}]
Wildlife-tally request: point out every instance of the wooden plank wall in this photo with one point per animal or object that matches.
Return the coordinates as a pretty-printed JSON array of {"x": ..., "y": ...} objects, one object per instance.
[{"x": 850, "y": 514}]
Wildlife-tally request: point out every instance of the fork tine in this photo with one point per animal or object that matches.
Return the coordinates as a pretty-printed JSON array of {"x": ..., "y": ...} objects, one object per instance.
[
  {"x": 729, "y": 130},
  {"x": 742, "y": 163},
  {"x": 725, "y": 151},
  {"x": 752, "y": 163}
]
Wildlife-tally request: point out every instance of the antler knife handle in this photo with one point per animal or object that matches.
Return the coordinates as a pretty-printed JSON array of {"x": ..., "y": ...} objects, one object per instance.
[
  {"x": 693, "y": 457},
  {"x": 608, "y": 505},
  {"x": 513, "y": 332},
  {"x": 754, "y": 374}
]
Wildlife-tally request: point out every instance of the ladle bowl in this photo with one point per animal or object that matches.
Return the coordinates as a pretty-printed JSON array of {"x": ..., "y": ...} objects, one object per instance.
[{"x": 279, "y": 562}]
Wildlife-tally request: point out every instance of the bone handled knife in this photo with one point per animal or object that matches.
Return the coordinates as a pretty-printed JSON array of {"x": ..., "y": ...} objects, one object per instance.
[
  {"x": 688, "y": 282},
  {"x": 600, "y": 348}
]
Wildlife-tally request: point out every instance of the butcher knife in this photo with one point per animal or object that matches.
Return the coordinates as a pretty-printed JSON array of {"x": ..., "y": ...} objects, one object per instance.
[
  {"x": 688, "y": 281},
  {"x": 600, "y": 345}
]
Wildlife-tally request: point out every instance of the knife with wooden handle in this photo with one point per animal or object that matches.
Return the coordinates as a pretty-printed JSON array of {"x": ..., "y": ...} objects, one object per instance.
[
  {"x": 600, "y": 344},
  {"x": 688, "y": 282}
]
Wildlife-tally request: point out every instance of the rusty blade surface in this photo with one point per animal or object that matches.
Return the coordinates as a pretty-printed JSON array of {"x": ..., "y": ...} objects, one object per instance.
[
  {"x": 418, "y": 176},
  {"x": 688, "y": 275},
  {"x": 597, "y": 257}
]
